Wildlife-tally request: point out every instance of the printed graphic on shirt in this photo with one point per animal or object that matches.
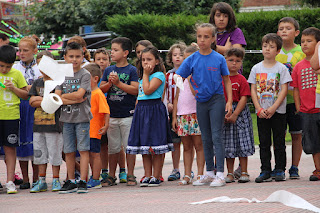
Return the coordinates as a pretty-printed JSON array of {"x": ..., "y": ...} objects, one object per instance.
[
  {"x": 70, "y": 86},
  {"x": 117, "y": 94},
  {"x": 308, "y": 78},
  {"x": 40, "y": 116},
  {"x": 268, "y": 87}
]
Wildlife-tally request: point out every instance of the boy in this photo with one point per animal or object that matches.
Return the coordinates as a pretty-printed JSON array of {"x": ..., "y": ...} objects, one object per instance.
[
  {"x": 304, "y": 93},
  {"x": 290, "y": 55},
  {"x": 75, "y": 93},
  {"x": 98, "y": 125},
  {"x": 121, "y": 83},
  {"x": 269, "y": 86},
  {"x": 15, "y": 88},
  {"x": 47, "y": 136}
]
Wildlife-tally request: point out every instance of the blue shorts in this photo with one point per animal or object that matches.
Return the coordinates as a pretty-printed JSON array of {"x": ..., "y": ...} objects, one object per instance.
[
  {"x": 95, "y": 145},
  {"x": 76, "y": 137},
  {"x": 9, "y": 133}
]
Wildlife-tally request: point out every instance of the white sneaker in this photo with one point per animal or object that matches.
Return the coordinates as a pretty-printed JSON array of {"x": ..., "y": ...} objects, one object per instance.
[
  {"x": 203, "y": 180},
  {"x": 218, "y": 182},
  {"x": 11, "y": 188}
]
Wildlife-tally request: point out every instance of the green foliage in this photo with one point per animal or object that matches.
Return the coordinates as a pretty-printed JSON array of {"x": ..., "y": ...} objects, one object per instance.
[{"x": 313, "y": 3}]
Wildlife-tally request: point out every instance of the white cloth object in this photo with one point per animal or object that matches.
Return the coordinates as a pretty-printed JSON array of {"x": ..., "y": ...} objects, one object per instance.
[
  {"x": 179, "y": 81},
  {"x": 281, "y": 196}
]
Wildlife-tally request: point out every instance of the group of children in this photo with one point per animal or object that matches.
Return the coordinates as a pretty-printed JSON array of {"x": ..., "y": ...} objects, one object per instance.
[{"x": 109, "y": 110}]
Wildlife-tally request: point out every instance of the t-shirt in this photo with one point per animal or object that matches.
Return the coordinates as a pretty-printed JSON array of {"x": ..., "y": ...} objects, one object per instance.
[
  {"x": 187, "y": 103},
  {"x": 305, "y": 80},
  {"x": 9, "y": 101},
  {"x": 121, "y": 103},
  {"x": 29, "y": 78},
  {"x": 236, "y": 37},
  {"x": 157, "y": 93},
  {"x": 290, "y": 59},
  {"x": 240, "y": 87},
  {"x": 268, "y": 81},
  {"x": 99, "y": 107},
  {"x": 77, "y": 113},
  {"x": 171, "y": 85},
  {"x": 207, "y": 72},
  {"x": 43, "y": 122}
]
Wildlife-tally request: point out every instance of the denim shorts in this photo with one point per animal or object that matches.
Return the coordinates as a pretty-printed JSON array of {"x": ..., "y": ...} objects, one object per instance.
[
  {"x": 95, "y": 145},
  {"x": 76, "y": 137}
]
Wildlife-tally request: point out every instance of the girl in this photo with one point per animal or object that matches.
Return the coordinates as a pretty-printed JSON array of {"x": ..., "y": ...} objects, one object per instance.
[
  {"x": 141, "y": 45},
  {"x": 185, "y": 123},
  {"x": 229, "y": 35},
  {"x": 28, "y": 67},
  {"x": 237, "y": 131},
  {"x": 174, "y": 58},
  {"x": 208, "y": 69},
  {"x": 150, "y": 112}
]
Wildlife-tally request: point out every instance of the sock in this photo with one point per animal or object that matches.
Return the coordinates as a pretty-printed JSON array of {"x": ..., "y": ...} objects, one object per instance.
[
  {"x": 220, "y": 175},
  {"x": 42, "y": 178},
  {"x": 105, "y": 170},
  {"x": 73, "y": 180},
  {"x": 122, "y": 170},
  {"x": 176, "y": 170},
  {"x": 211, "y": 174}
]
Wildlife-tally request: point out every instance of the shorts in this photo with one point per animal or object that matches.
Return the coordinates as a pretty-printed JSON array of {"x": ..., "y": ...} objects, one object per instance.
[
  {"x": 47, "y": 148},
  {"x": 9, "y": 133},
  {"x": 76, "y": 137},
  {"x": 310, "y": 132},
  {"x": 95, "y": 145},
  {"x": 174, "y": 136},
  {"x": 104, "y": 139},
  {"x": 118, "y": 134},
  {"x": 293, "y": 120},
  {"x": 188, "y": 125}
]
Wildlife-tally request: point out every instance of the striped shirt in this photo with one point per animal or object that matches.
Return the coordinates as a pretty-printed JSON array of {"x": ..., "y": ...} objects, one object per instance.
[{"x": 170, "y": 85}]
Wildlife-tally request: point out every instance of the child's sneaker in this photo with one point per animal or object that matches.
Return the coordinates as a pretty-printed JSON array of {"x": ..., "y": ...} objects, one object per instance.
[
  {"x": 17, "y": 180},
  {"x": 315, "y": 175},
  {"x": 273, "y": 174},
  {"x": 68, "y": 187},
  {"x": 203, "y": 180},
  {"x": 154, "y": 182},
  {"x": 11, "y": 188},
  {"x": 82, "y": 187},
  {"x": 25, "y": 185},
  {"x": 123, "y": 177},
  {"x": 56, "y": 186},
  {"x": 40, "y": 186},
  {"x": 175, "y": 175},
  {"x": 161, "y": 179},
  {"x": 217, "y": 182},
  {"x": 1, "y": 187},
  {"x": 94, "y": 184},
  {"x": 263, "y": 177},
  {"x": 103, "y": 176},
  {"x": 280, "y": 175},
  {"x": 145, "y": 182},
  {"x": 294, "y": 172}
]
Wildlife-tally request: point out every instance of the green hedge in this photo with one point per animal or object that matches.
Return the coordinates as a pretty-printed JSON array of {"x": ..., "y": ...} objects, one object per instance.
[{"x": 164, "y": 30}]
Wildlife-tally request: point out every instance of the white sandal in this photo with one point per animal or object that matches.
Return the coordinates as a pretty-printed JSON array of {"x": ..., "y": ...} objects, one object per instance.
[{"x": 184, "y": 182}]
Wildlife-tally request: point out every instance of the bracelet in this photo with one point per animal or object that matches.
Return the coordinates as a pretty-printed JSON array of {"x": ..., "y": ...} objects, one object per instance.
[{"x": 258, "y": 113}]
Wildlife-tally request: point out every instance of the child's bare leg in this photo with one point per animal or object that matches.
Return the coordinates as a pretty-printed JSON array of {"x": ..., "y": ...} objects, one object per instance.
[
  {"x": 230, "y": 167},
  {"x": 96, "y": 165},
  {"x": 147, "y": 165},
  {"x": 113, "y": 162},
  {"x": 70, "y": 162},
  {"x": 296, "y": 148},
  {"x": 42, "y": 170},
  {"x": 176, "y": 155},
  {"x": 157, "y": 165},
  {"x": 35, "y": 172},
  {"x": 55, "y": 171},
  {"x": 244, "y": 165},
  {"x": 316, "y": 160},
  {"x": 10, "y": 155},
  {"x": 24, "y": 166},
  {"x": 197, "y": 143},
  {"x": 122, "y": 159},
  {"x": 104, "y": 156},
  {"x": 84, "y": 164},
  {"x": 131, "y": 162},
  {"x": 187, "y": 155}
]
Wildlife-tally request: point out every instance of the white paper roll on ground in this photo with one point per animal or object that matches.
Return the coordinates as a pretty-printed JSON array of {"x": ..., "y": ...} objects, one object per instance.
[{"x": 50, "y": 103}]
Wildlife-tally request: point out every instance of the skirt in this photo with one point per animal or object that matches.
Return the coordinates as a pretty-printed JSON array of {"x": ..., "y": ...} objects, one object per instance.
[
  {"x": 188, "y": 125},
  {"x": 26, "y": 129},
  {"x": 238, "y": 138},
  {"x": 150, "y": 130}
]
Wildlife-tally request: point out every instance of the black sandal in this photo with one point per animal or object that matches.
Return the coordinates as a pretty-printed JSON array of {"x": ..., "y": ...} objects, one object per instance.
[
  {"x": 132, "y": 179},
  {"x": 110, "y": 181}
]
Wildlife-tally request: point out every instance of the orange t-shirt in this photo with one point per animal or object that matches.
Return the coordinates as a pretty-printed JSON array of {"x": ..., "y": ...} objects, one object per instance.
[{"x": 99, "y": 107}]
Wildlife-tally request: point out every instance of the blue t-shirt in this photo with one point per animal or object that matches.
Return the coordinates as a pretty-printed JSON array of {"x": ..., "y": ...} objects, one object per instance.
[
  {"x": 156, "y": 94},
  {"x": 121, "y": 103},
  {"x": 207, "y": 72}
]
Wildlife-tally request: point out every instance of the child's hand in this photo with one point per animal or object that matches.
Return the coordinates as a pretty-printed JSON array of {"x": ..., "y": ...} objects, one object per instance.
[
  {"x": 270, "y": 112},
  {"x": 147, "y": 69},
  {"x": 228, "y": 109},
  {"x": 261, "y": 113},
  {"x": 228, "y": 44},
  {"x": 115, "y": 79},
  {"x": 174, "y": 124},
  {"x": 104, "y": 129},
  {"x": 9, "y": 85},
  {"x": 232, "y": 118},
  {"x": 170, "y": 107},
  {"x": 316, "y": 71}
]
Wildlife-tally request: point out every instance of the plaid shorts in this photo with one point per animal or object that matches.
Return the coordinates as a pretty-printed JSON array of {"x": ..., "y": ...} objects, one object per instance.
[{"x": 238, "y": 137}]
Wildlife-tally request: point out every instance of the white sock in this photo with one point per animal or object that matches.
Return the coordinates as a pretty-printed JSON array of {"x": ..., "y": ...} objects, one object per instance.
[
  {"x": 210, "y": 174},
  {"x": 43, "y": 178},
  {"x": 220, "y": 175}
]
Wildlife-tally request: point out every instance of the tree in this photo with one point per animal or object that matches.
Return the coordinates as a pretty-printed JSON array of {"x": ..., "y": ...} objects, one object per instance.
[{"x": 313, "y": 3}]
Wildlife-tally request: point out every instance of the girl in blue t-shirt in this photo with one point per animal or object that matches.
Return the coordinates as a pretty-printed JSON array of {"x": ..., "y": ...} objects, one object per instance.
[
  {"x": 150, "y": 132},
  {"x": 209, "y": 69}
]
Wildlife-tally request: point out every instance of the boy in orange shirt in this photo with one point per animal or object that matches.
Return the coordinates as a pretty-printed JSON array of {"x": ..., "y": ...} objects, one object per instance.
[{"x": 98, "y": 125}]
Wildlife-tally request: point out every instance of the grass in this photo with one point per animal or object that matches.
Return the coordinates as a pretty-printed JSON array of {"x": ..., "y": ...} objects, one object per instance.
[{"x": 255, "y": 130}]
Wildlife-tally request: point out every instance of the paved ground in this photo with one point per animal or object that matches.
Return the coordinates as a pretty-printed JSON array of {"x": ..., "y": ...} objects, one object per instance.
[{"x": 169, "y": 197}]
